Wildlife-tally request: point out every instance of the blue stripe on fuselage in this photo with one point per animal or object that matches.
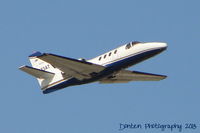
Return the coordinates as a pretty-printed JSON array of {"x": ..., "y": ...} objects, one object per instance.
[
  {"x": 134, "y": 59},
  {"x": 110, "y": 68}
]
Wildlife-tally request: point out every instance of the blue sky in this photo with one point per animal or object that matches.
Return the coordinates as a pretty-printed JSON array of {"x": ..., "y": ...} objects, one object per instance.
[{"x": 85, "y": 29}]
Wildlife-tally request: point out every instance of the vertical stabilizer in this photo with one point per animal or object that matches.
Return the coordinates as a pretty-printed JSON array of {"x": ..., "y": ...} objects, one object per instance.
[
  {"x": 40, "y": 64},
  {"x": 44, "y": 72}
]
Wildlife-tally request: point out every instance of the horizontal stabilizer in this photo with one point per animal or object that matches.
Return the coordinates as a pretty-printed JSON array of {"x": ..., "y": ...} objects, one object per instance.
[
  {"x": 125, "y": 76},
  {"x": 37, "y": 72}
]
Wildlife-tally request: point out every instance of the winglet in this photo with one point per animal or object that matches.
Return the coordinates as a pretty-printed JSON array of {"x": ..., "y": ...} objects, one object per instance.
[{"x": 36, "y": 53}]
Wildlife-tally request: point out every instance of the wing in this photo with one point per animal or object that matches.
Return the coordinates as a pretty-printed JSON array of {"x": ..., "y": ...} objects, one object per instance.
[
  {"x": 125, "y": 76},
  {"x": 72, "y": 67}
]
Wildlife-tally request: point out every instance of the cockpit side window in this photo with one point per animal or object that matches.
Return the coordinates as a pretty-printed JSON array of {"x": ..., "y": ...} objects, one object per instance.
[
  {"x": 128, "y": 46},
  {"x": 115, "y": 52}
]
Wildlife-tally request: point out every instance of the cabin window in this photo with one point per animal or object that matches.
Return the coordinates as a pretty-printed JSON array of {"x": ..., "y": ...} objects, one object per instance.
[
  {"x": 104, "y": 56},
  {"x": 115, "y": 52},
  {"x": 99, "y": 58},
  {"x": 110, "y": 54},
  {"x": 128, "y": 46}
]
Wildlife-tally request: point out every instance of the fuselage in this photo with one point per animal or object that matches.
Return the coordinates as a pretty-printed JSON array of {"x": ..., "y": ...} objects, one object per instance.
[
  {"x": 133, "y": 53},
  {"x": 116, "y": 60}
]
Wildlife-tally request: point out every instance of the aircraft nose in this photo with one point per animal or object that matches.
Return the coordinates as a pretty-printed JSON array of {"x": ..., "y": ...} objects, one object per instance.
[
  {"x": 162, "y": 45},
  {"x": 158, "y": 45}
]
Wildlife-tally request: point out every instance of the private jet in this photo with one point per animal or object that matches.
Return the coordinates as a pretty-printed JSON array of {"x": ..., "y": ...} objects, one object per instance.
[{"x": 55, "y": 72}]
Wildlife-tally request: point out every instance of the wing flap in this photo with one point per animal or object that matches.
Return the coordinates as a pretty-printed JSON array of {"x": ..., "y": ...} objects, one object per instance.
[
  {"x": 37, "y": 72},
  {"x": 125, "y": 76},
  {"x": 72, "y": 67}
]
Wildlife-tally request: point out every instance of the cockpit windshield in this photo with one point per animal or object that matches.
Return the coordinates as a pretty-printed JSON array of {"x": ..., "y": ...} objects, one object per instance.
[
  {"x": 135, "y": 42},
  {"x": 131, "y": 44}
]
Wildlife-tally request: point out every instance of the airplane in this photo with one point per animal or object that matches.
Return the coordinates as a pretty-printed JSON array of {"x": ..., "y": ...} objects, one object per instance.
[{"x": 55, "y": 72}]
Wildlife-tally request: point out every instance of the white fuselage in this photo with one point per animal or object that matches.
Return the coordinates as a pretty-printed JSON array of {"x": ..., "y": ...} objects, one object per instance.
[{"x": 126, "y": 51}]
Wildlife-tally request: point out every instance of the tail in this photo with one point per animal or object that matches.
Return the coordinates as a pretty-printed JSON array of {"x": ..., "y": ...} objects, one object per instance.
[
  {"x": 40, "y": 64},
  {"x": 45, "y": 73}
]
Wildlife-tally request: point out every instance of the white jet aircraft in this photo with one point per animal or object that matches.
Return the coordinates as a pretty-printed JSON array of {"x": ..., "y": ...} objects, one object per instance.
[{"x": 55, "y": 72}]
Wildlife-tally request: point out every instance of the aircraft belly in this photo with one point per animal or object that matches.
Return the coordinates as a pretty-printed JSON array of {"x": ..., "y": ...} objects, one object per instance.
[
  {"x": 61, "y": 85},
  {"x": 132, "y": 60},
  {"x": 72, "y": 82}
]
